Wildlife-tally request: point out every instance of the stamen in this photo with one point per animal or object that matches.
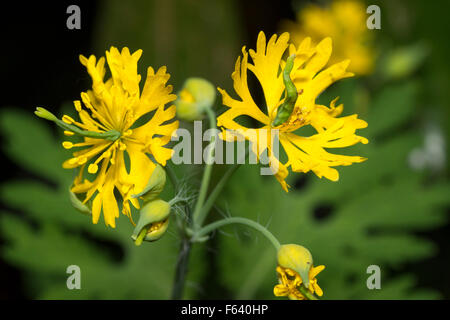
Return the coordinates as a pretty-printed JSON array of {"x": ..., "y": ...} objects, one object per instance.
[
  {"x": 86, "y": 118},
  {"x": 88, "y": 104},
  {"x": 112, "y": 160},
  {"x": 68, "y": 133},
  {"x": 67, "y": 119},
  {"x": 67, "y": 145},
  {"x": 93, "y": 168},
  {"x": 82, "y": 160},
  {"x": 77, "y": 104}
]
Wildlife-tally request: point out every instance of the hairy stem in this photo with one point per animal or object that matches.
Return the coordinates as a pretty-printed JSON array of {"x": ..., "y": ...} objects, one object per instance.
[
  {"x": 173, "y": 177},
  {"x": 255, "y": 225},
  {"x": 185, "y": 246},
  {"x": 181, "y": 269}
]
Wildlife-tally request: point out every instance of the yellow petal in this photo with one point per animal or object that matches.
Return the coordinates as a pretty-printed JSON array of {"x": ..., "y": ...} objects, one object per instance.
[
  {"x": 280, "y": 290},
  {"x": 315, "y": 271},
  {"x": 266, "y": 67}
]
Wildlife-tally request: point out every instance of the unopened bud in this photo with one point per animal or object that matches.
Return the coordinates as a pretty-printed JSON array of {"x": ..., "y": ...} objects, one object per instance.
[
  {"x": 153, "y": 221},
  {"x": 196, "y": 96},
  {"x": 154, "y": 186},
  {"x": 297, "y": 258}
]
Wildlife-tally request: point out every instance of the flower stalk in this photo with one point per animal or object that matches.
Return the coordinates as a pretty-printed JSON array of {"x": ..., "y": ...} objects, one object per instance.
[
  {"x": 237, "y": 220},
  {"x": 198, "y": 216}
]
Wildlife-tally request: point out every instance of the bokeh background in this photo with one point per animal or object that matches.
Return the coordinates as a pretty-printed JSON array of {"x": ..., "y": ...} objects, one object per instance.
[{"x": 390, "y": 211}]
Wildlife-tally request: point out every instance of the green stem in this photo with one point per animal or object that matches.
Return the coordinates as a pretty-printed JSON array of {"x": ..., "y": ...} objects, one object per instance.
[
  {"x": 185, "y": 245},
  {"x": 177, "y": 200},
  {"x": 304, "y": 291},
  {"x": 181, "y": 268},
  {"x": 206, "y": 174},
  {"x": 215, "y": 193},
  {"x": 215, "y": 225},
  {"x": 172, "y": 177}
]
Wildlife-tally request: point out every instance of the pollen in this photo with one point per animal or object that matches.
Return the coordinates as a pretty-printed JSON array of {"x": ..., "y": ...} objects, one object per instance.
[{"x": 156, "y": 226}]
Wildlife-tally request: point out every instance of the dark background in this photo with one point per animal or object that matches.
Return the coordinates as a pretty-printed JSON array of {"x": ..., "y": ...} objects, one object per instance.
[{"x": 39, "y": 67}]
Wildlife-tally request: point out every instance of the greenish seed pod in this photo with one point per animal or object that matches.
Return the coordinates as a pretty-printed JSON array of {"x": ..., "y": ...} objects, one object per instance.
[{"x": 286, "y": 108}]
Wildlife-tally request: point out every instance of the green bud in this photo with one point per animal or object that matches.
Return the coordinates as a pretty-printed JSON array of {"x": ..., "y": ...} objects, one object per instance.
[
  {"x": 402, "y": 62},
  {"x": 153, "y": 221},
  {"x": 195, "y": 97},
  {"x": 297, "y": 258},
  {"x": 45, "y": 114},
  {"x": 154, "y": 186}
]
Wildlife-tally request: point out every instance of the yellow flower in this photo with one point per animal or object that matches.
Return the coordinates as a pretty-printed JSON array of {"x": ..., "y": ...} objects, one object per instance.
[
  {"x": 113, "y": 107},
  {"x": 345, "y": 22},
  {"x": 290, "y": 281},
  {"x": 304, "y": 153}
]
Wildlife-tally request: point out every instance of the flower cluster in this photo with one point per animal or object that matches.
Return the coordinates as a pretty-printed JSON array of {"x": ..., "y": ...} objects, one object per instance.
[{"x": 124, "y": 133}]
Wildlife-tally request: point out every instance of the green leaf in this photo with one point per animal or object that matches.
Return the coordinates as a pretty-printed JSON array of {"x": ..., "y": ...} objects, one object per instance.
[{"x": 27, "y": 137}]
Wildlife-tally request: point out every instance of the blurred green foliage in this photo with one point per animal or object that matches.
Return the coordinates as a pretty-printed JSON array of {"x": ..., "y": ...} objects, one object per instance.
[{"x": 193, "y": 38}]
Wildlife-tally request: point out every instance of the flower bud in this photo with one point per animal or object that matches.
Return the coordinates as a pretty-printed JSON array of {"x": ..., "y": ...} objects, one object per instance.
[
  {"x": 402, "y": 62},
  {"x": 153, "y": 221},
  {"x": 297, "y": 258},
  {"x": 154, "y": 186},
  {"x": 196, "y": 96}
]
